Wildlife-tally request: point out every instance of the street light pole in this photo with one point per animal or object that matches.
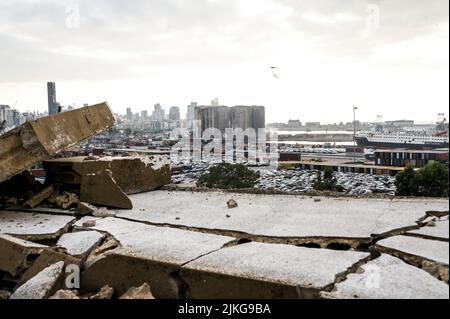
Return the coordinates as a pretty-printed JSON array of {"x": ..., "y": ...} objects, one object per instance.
[{"x": 354, "y": 133}]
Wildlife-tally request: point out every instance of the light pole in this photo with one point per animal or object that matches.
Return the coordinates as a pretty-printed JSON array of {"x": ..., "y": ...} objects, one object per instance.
[{"x": 354, "y": 133}]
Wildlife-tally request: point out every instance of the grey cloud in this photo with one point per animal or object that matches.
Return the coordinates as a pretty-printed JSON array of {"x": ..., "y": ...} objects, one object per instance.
[{"x": 177, "y": 33}]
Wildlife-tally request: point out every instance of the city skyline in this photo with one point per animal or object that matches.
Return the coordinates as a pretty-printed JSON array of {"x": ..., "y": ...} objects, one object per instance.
[{"x": 303, "y": 60}]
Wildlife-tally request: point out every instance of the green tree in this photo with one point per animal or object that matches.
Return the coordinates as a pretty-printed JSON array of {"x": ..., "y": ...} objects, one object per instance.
[
  {"x": 328, "y": 183},
  {"x": 406, "y": 182},
  {"x": 228, "y": 176},
  {"x": 430, "y": 181}
]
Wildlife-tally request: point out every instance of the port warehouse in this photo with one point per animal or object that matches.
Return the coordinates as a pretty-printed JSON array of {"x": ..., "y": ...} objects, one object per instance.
[{"x": 404, "y": 157}]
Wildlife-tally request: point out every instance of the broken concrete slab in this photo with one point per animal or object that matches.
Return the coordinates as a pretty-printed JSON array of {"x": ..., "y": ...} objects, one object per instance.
[
  {"x": 388, "y": 277},
  {"x": 40, "y": 139},
  {"x": 45, "y": 259},
  {"x": 142, "y": 292},
  {"x": 299, "y": 219},
  {"x": 133, "y": 174},
  {"x": 258, "y": 270},
  {"x": 80, "y": 244},
  {"x": 440, "y": 231},
  {"x": 42, "y": 285},
  {"x": 15, "y": 253},
  {"x": 32, "y": 226},
  {"x": 39, "y": 197},
  {"x": 148, "y": 254},
  {"x": 101, "y": 189},
  {"x": 431, "y": 255}
]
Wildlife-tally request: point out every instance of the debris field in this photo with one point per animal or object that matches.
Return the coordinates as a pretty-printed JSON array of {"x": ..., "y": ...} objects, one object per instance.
[{"x": 102, "y": 228}]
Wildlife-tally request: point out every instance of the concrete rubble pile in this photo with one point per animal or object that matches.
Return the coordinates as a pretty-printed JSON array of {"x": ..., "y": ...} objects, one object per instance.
[
  {"x": 38, "y": 244},
  {"x": 99, "y": 228}
]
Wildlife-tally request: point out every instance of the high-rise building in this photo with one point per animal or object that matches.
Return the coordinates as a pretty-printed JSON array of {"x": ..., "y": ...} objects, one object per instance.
[
  {"x": 144, "y": 114},
  {"x": 190, "y": 114},
  {"x": 129, "y": 114},
  {"x": 158, "y": 113},
  {"x": 53, "y": 106},
  {"x": 174, "y": 113}
]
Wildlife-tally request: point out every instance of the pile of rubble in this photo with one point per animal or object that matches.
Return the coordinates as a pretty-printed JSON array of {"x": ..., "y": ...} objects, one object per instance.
[
  {"x": 298, "y": 180},
  {"x": 38, "y": 241}
]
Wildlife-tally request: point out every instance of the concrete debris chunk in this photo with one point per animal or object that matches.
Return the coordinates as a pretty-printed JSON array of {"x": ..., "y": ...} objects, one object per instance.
[
  {"x": 101, "y": 189},
  {"x": 142, "y": 292},
  {"x": 46, "y": 258},
  {"x": 388, "y": 277},
  {"x": 105, "y": 292},
  {"x": 131, "y": 174},
  {"x": 85, "y": 209},
  {"x": 34, "y": 226},
  {"x": 80, "y": 244},
  {"x": 232, "y": 204},
  {"x": 40, "y": 139},
  {"x": 103, "y": 212},
  {"x": 39, "y": 197},
  {"x": 4, "y": 294},
  {"x": 65, "y": 294},
  {"x": 14, "y": 254},
  {"x": 89, "y": 223},
  {"x": 42, "y": 285},
  {"x": 66, "y": 200}
]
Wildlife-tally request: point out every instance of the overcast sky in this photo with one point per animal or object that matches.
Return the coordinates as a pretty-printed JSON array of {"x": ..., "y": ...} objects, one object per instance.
[{"x": 387, "y": 57}]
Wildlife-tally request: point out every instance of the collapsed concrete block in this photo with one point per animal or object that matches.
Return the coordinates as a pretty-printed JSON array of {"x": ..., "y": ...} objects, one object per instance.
[
  {"x": 80, "y": 244},
  {"x": 132, "y": 174},
  {"x": 40, "y": 139},
  {"x": 14, "y": 254},
  {"x": 388, "y": 277},
  {"x": 42, "y": 285},
  {"x": 257, "y": 270},
  {"x": 45, "y": 259},
  {"x": 101, "y": 189}
]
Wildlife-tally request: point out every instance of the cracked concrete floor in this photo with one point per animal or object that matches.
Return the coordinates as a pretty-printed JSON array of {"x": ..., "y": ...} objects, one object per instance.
[{"x": 191, "y": 245}]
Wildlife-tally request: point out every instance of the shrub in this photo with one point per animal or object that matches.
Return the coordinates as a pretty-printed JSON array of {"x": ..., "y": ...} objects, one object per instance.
[
  {"x": 328, "y": 183},
  {"x": 430, "y": 181},
  {"x": 228, "y": 176}
]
